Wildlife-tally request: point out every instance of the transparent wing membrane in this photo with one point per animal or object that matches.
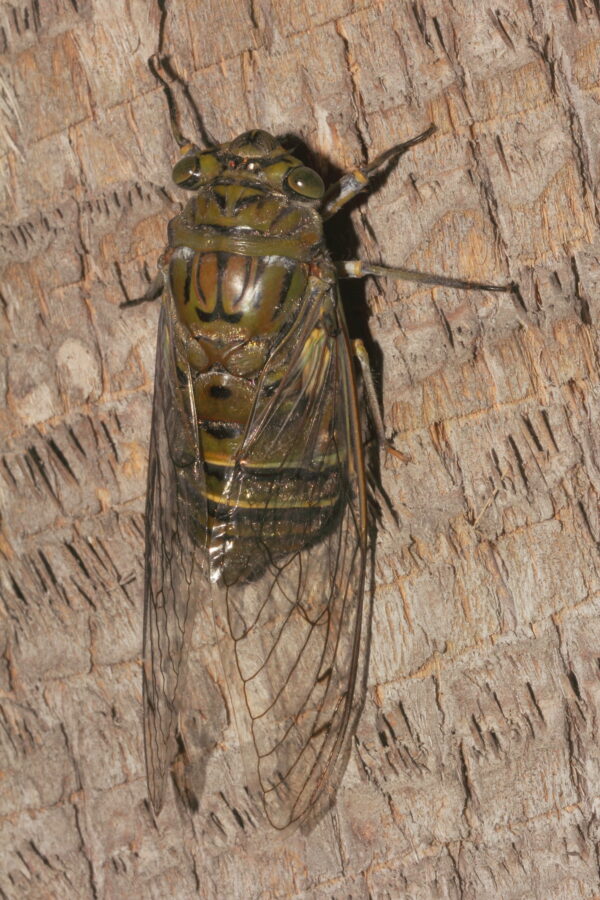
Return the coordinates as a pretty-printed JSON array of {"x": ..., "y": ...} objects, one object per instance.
[
  {"x": 175, "y": 571},
  {"x": 287, "y": 552},
  {"x": 292, "y": 633}
]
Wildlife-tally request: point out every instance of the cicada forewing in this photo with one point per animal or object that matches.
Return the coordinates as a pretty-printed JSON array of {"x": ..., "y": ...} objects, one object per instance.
[
  {"x": 176, "y": 573},
  {"x": 292, "y": 556}
]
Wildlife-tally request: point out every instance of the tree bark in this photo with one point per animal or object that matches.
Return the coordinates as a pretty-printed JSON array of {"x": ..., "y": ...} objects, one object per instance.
[{"x": 475, "y": 767}]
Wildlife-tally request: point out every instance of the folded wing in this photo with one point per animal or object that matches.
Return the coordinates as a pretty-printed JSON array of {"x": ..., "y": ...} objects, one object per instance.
[
  {"x": 176, "y": 569},
  {"x": 290, "y": 601}
]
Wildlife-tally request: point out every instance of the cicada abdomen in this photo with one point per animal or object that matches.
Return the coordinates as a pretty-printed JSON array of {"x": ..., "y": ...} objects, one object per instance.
[{"x": 256, "y": 486}]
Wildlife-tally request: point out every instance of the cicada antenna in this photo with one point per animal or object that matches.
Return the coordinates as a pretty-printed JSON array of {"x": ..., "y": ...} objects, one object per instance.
[{"x": 164, "y": 73}]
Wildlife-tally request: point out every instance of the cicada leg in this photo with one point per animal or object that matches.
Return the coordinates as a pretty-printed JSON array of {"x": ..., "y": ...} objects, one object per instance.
[
  {"x": 163, "y": 71},
  {"x": 360, "y": 351},
  {"x": 352, "y": 183},
  {"x": 357, "y": 268},
  {"x": 155, "y": 289}
]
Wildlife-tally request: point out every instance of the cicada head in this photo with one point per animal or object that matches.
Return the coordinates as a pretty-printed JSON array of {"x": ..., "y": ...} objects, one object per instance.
[{"x": 239, "y": 177}]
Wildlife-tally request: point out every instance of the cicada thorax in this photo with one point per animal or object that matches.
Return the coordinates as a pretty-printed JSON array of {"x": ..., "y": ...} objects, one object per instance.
[{"x": 244, "y": 255}]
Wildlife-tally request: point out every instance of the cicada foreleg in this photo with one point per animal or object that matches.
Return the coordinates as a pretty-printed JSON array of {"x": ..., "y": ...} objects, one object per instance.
[
  {"x": 362, "y": 357},
  {"x": 352, "y": 183},
  {"x": 163, "y": 71}
]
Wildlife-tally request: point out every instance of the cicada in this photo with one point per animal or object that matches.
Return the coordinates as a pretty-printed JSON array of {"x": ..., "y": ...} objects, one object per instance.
[{"x": 257, "y": 495}]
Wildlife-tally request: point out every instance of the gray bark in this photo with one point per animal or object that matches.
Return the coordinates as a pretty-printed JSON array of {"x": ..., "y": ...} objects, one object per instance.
[{"x": 475, "y": 769}]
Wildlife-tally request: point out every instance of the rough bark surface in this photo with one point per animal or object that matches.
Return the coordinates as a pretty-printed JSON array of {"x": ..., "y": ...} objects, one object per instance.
[{"x": 476, "y": 766}]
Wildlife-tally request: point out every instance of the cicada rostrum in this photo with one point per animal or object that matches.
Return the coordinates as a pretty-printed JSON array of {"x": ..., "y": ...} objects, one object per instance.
[{"x": 257, "y": 497}]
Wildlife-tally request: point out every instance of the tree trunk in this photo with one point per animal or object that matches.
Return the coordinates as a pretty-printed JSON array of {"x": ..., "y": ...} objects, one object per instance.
[{"x": 475, "y": 768}]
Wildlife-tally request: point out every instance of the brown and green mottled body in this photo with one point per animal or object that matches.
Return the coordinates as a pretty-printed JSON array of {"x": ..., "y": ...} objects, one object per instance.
[{"x": 243, "y": 257}]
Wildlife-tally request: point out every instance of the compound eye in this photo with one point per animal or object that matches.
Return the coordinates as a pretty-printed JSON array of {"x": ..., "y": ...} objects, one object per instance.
[
  {"x": 186, "y": 172},
  {"x": 195, "y": 169},
  {"x": 305, "y": 182}
]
